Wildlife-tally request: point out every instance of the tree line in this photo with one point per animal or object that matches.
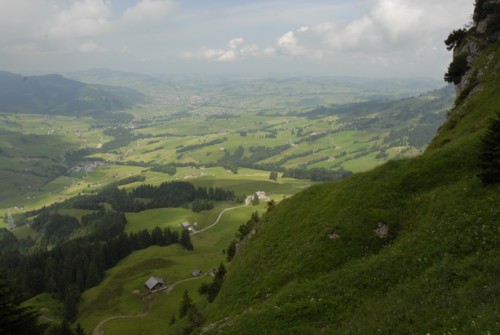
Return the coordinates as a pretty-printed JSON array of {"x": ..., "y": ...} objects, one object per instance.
[
  {"x": 72, "y": 267},
  {"x": 167, "y": 194}
]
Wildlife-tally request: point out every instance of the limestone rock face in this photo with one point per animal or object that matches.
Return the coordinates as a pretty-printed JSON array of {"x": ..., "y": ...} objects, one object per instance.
[{"x": 484, "y": 32}]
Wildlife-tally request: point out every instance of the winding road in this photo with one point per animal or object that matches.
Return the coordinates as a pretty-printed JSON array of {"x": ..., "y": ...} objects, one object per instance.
[
  {"x": 98, "y": 329},
  {"x": 247, "y": 202}
]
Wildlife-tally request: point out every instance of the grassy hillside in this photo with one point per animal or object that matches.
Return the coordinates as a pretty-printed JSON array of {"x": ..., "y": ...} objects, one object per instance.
[
  {"x": 410, "y": 247},
  {"x": 122, "y": 292}
]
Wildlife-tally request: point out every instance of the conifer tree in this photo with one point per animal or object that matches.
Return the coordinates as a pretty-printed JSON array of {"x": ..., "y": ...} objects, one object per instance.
[
  {"x": 186, "y": 240},
  {"x": 489, "y": 153},
  {"x": 15, "y": 319},
  {"x": 71, "y": 299},
  {"x": 186, "y": 305}
]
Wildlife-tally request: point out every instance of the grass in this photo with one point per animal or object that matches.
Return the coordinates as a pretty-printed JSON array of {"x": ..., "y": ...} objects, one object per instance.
[
  {"x": 327, "y": 270},
  {"x": 170, "y": 217},
  {"x": 115, "y": 295},
  {"x": 50, "y": 309},
  {"x": 158, "y": 138},
  {"x": 257, "y": 107},
  {"x": 362, "y": 283}
]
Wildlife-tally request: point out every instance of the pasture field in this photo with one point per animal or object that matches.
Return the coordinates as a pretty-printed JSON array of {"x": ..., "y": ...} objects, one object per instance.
[
  {"x": 122, "y": 292},
  {"x": 38, "y": 152},
  {"x": 216, "y": 134}
]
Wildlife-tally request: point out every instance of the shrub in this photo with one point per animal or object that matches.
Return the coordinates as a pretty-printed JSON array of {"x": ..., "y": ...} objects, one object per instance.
[{"x": 457, "y": 69}]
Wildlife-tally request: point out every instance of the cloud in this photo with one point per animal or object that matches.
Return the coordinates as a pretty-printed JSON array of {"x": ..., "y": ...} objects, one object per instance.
[
  {"x": 300, "y": 43},
  {"x": 270, "y": 51},
  {"x": 235, "y": 42},
  {"x": 83, "y": 18},
  {"x": 389, "y": 26},
  {"x": 50, "y": 28},
  {"x": 249, "y": 50},
  {"x": 289, "y": 44},
  {"x": 268, "y": 35},
  {"x": 89, "y": 47},
  {"x": 148, "y": 11},
  {"x": 236, "y": 49}
]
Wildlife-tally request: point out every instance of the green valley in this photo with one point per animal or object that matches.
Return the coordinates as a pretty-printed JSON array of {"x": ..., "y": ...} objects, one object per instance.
[
  {"x": 166, "y": 204},
  {"x": 211, "y": 136}
]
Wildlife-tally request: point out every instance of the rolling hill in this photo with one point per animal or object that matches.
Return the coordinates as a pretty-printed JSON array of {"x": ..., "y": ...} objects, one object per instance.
[
  {"x": 56, "y": 95},
  {"x": 411, "y": 247}
]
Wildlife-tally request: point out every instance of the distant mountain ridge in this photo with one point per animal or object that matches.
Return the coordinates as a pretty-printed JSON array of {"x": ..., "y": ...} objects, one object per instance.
[
  {"x": 54, "y": 94},
  {"x": 142, "y": 82}
]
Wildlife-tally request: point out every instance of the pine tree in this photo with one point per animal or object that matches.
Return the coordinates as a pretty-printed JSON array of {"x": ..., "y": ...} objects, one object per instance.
[
  {"x": 15, "y": 319},
  {"x": 186, "y": 305},
  {"x": 186, "y": 240},
  {"x": 94, "y": 275},
  {"x": 71, "y": 299},
  {"x": 157, "y": 236},
  {"x": 168, "y": 236},
  {"x": 231, "y": 251},
  {"x": 489, "y": 153}
]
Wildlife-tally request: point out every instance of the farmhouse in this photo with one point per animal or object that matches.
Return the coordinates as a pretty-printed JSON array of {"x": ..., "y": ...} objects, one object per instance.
[
  {"x": 261, "y": 195},
  {"x": 196, "y": 273},
  {"x": 154, "y": 284},
  {"x": 185, "y": 225}
]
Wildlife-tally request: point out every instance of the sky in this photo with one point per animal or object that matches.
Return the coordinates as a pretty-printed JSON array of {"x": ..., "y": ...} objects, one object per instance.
[{"x": 367, "y": 38}]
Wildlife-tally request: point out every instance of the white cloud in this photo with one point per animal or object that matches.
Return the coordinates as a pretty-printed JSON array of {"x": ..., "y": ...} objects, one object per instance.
[
  {"x": 148, "y": 11},
  {"x": 236, "y": 49},
  {"x": 390, "y": 26},
  {"x": 249, "y": 50},
  {"x": 301, "y": 43},
  {"x": 49, "y": 29},
  {"x": 397, "y": 18},
  {"x": 83, "y": 18},
  {"x": 227, "y": 55},
  {"x": 235, "y": 42},
  {"x": 317, "y": 34},
  {"x": 289, "y": 44}
]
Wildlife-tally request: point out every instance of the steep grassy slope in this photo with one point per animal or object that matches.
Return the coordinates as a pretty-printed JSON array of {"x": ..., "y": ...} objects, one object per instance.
[{"x": 411, "y": 247}]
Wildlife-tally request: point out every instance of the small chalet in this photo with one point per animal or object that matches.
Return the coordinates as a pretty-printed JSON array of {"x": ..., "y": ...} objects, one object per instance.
[
  {"x": 196, "y": 273},
  {"x": 185, "y": 225},
  {"x": 154, "y": 284},
  {"x": 261, "y": 195}
]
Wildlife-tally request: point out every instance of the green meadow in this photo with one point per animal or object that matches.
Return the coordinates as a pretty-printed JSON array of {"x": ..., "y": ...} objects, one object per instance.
[
  {"x": 46, "y": 160},
  {"x": 122, "y": 292}
]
